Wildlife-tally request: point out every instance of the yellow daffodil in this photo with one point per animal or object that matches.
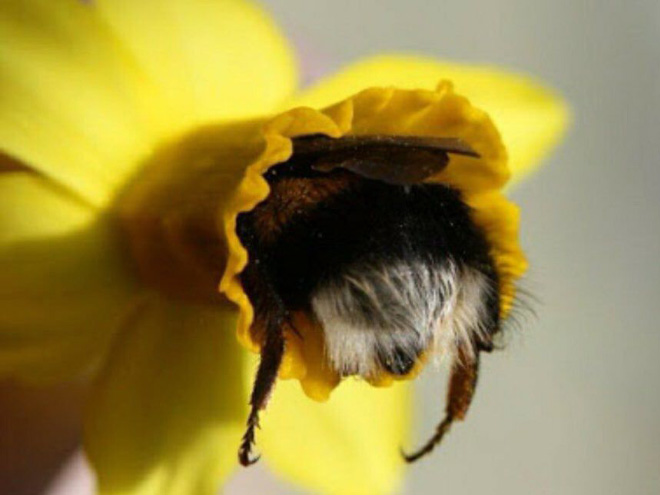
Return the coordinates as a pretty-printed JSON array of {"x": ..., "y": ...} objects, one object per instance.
[{"x": 133, "y": 133}]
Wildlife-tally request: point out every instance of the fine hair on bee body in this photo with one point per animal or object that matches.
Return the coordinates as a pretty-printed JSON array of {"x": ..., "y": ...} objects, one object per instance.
[{"x": 391, "y": 267}]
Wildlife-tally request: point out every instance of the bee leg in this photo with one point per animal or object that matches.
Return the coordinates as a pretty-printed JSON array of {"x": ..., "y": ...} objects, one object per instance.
[
  {"x": 462, "y": 384},
  {"x": 271, "y": 358}
]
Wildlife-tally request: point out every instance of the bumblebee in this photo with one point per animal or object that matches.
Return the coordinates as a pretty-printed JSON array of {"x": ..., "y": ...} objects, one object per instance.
[{"x": 390, "y": 265}]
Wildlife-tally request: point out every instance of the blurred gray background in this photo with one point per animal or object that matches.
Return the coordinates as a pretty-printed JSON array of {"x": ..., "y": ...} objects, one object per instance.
[{"x": 573, "y": 405}]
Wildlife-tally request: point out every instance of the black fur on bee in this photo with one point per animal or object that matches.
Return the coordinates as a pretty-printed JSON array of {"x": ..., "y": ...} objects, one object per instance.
[{"x": 390, "y": 266}]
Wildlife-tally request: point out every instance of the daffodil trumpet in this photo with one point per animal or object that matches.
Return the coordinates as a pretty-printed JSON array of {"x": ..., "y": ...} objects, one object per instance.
[
  {"x": 380, "y": 305},
  {"x": 356, "y": 243}
]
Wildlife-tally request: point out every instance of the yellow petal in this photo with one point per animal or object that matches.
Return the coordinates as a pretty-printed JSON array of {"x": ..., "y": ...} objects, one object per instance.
[
  {"x": 168, "y": 409},
  {"x": 348, "y": 445},
  {"x": 530, "y": 117},
  {"x": 72, "y": 102},
  {"x": 63, "y": 290},
  {"x": 499, "y": 219},
  {"x": 32, "y": 207},
  {"x": 88, "y": 89},
  {"x": 213, "y": 59}
]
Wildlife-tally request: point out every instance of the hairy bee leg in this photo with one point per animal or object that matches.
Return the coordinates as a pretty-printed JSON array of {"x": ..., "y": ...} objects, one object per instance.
[
  {"x": 271, "y": 358},
  {"x": 462, "y": 384}
]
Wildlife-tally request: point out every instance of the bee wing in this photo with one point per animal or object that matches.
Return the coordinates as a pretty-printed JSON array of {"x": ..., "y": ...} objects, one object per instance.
[{"x": 392, "y": 159}]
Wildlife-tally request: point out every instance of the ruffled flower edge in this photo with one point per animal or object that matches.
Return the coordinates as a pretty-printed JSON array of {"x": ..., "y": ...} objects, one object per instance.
[{"x": 439, "y": 113}]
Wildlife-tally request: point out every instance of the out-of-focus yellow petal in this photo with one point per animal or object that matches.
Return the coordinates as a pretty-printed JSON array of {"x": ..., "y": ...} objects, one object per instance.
[
  {"x": 169, "y": 407},
  {"x": 530, "y": 117},
  {"x": 213, "y": 59},
  {"x": 73, "y": 103},
  {"x": 88, "y": 89},
  {"x": 348, "y": 445},
  {"x": 63, "y": 286},
  {"x": 32, "y": 207}
]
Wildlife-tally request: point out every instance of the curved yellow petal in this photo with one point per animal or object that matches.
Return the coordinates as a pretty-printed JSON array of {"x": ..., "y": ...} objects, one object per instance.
[
  {"x": 530, "y": 117},
  {"x": 349, "y": 444},
  {"x": 88, "y": 89},
  {"x": 63, "y": 288},
  {"x": 32, "y": 207},
  {"x": 168, "y": 409},
  {"x": 73, "y": 104},
  {"x": 212, "y": 59},
  {"x": 499, "y": 219}
]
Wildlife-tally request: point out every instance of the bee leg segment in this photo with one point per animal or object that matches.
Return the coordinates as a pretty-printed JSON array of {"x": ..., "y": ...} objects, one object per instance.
[
  {"x": 271, "y": 358},
  {"x": 462, "y": 385}
]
